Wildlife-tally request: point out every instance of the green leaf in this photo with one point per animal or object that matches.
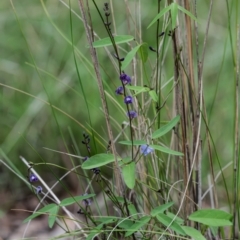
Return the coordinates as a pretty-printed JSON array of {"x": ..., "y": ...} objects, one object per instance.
[
  {"x": 143, "y": 52},
  {"x": 126, "y": 224},
  {"x": 166, "y": 128},
  {"x": 52, "y": 216},
  {"x": 128, "y": 172},
  {"x": 130, "y": 57},
  {"x": 71, "y": 200},
  {"x": 192, "y": 232},
  {"x": 188, "y": 13},
  {"x": 106, "y": 220},
  {"x": 107, "y": 41},
  {"x": 174, "y": 12},
  {"x": 133, "y": 211},
  {"x": 161, "y": 209},
  {"x": 165, "y": 220},
  {"x": 138, "y": 89},
  {"x": 159, "y": 15},
  {"x": 135, "y": 142},
  {"x": 153, "y": 95},
  {"x": 98, "y": 160},
  {"x": 41, "y": 211},
  {"x": 177, "y": 219},
  {"x": 137, "y": 225},
  {"x": 166, "y": 150},
  {"x": 212, "y": 217}
]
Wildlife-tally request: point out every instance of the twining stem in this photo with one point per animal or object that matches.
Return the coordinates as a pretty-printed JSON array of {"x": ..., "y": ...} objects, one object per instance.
[{"x": 119, "y": 183}]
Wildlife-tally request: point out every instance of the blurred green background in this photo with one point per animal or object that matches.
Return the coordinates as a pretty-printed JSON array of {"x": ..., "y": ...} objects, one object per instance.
[{"x": 25, "y": 120}]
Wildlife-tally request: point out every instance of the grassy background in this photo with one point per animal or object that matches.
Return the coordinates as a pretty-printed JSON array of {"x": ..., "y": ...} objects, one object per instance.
[{"x": 27, "y": 124}]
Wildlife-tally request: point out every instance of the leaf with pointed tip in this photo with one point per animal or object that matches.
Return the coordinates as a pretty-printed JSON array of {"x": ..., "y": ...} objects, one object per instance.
[
  {"x": 212, "y": 217},
  {"x": 174, "y": 12},
  {"x": 166, "y": 150},
  {"x": 161, "y": 209},
  {"x": 41, "y": 211},
  {"x": 137, "y": 225},
  {"x": 128, "y": 172},
  {"x": 167, "y": 221},
  {"x": 138, "y": 89},
  {"x": 188, "y": 13},
  {"x": 192, "y": 232},
  {"x": 143, "y": 52},
  {"x": 52, "y": 216},
  {"x": 130, "y": 57},
  {"x": 98, "y": 160},
  {"x": 153, "y": 95},
  {"x": 160, "y": 14},
  {"x": 166, "y": 128},
  {"x": 135, "y": 142},
  {"x": 71, "y": 200},
  {"x": 107, "y": 41}
]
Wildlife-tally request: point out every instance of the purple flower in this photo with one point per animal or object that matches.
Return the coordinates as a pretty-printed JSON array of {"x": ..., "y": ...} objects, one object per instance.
[
  {"x": 145, "y": 149},
  {"x": 119, "y": 90},
  {"x": 125, "y": 78},
  {"x": 39, "y": 189},
  {"x": 128, "y": 99},
  {"x": 33, "y": 178},
  {"x": 132, "y": 114}
]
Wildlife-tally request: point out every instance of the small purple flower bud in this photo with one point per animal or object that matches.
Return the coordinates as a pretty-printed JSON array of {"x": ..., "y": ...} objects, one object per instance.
[
  {"x": 39, "y": 189},
  {"x": 85, "y": 159},
  {"x": 145, "y": 149},
  {"x": 132, "y": 114},
  {"x": 119, "y": 90},
  {"x": 128, "y": 99},
  {"x": 33, "y": 178},
  {"x": 125, "y": 78}
]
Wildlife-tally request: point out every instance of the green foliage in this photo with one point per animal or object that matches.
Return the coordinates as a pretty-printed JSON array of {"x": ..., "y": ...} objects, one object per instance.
[
  {"x": 99, "y": 160},
  {"x": 166, "y": 128},
  {"x": 128, "y": 172},
  {"x": 161, "y": 209},
  {"x": 212, "y": 217},
  {"x": 51, "y": 94},
  {"x": 104, "y": 42},
  {"x": 71, "y": 200}
]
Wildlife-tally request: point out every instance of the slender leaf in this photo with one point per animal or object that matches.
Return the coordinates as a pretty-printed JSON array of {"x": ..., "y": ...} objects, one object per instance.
[
  {"x": 71, "y": 200},
  {"x": 153, "y": 95},
  {"x": 106, "y": 220},
  {"x": 98, "y": 160},
  {"x": 188, "y": 13},
  {"x": 167, "y": 221},
  {"x": 107, "y": 41},
  {"x": 135, "y": 143},
  {"x": 174, "y": 12},
  {"x": 133, "y": 211},
  {"x": 138, "y": 88},
  {"x": 45, "y": 209},
  {"x": 159, "y": 15},
  {"x": 166, "y": 128},
  {"x": 143, "y": 52},
  {"x": 192, "y": 232},
  {"x": 136, "y": 226},
  {"x": 128, "y": 172},
  {"x": 212, "y": 217},
  {"x": 126, "y": 224},
  {"x": 52, "y": 216},
  {"x": 161, "y": 209},
  {"x": 166, "y": 150},
  {"x": 177, "y": 219},
  {"x": 130, "y": 57}
]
